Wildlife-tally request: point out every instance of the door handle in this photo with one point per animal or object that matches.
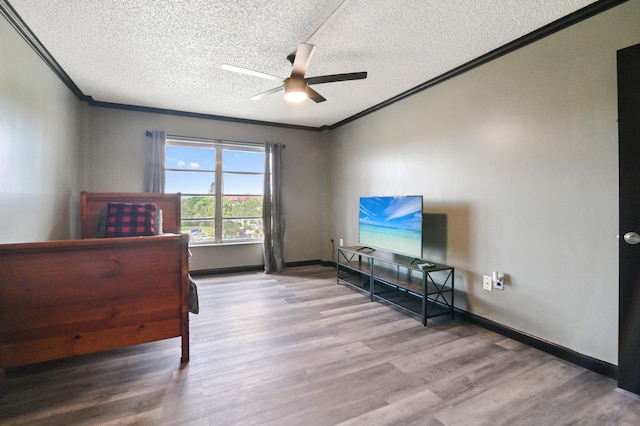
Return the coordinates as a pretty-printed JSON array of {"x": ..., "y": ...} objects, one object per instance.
[{"x": 632, "y": 238}]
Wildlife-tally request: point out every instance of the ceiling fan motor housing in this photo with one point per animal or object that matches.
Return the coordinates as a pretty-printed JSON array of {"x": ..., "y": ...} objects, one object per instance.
[
  {"x": 295, "y": 84},
  {"x": 295, "y": 89}
]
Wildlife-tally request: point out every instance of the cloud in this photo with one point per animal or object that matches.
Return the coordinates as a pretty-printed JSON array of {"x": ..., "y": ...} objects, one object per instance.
[
  {"x": 401, "y": 207},
  {"x": 180, "y": 164}
]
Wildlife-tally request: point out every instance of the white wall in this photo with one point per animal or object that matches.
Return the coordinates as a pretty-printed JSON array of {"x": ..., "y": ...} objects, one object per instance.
[
  {"x": 521, "y": 154},
  {"x": 39, "y": 146},
  {"x": 115, "y": 157}
]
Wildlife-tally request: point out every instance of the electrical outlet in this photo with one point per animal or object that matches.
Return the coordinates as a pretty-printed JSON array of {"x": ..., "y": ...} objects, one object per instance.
[{"x": 487, "y": 283}]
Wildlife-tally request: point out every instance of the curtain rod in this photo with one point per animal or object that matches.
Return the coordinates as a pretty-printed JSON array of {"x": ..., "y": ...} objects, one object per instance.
[{"x": 149, "y": 134}]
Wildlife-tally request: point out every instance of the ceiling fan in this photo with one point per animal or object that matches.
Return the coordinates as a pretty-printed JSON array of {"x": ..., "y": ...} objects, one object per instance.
[{"x": 296, "y": 87}]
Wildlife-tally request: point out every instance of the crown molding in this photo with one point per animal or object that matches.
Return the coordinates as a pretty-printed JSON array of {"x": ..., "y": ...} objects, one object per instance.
[
  {"x": 580, "y": 15},
  {"x": 23, "y": 29},
  {"x": 549, "y": 29}
]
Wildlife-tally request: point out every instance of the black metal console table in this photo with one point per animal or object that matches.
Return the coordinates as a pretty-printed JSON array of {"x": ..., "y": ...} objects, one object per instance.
[{"x": 416, "y": 286}]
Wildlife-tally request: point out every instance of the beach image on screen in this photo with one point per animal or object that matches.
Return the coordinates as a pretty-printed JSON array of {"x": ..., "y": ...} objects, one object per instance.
[{"x": 392, "y": 223}]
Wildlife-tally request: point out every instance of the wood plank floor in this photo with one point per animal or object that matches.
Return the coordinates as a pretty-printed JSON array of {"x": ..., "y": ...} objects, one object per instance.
[{"x": 298, "y": 349}]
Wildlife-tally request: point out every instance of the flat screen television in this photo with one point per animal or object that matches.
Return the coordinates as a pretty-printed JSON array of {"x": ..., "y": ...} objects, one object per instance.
[{"x": 392, "y": 223}]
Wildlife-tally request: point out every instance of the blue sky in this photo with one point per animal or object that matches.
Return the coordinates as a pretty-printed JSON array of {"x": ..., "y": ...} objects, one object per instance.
[
  {"x": 393, "y": 212},
  {"x": 186, "y": 159}
]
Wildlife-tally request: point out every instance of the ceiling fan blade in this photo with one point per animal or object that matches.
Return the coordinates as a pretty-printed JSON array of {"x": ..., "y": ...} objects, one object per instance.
[
  {"x": 336, "y": 77},
  {"x": 315, "y": 96},
  {"x": 251, "y": 72},
  {"x": 303, "y": 57},
  {"x": 267, "y": 93}
]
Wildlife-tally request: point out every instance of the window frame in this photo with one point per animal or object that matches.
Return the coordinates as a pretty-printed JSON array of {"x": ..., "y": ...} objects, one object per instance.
[{"x": 218, "y": 185}]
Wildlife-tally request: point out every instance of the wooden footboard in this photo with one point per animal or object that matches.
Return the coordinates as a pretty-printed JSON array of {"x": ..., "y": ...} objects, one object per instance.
[{"x": 64, "y": 298}]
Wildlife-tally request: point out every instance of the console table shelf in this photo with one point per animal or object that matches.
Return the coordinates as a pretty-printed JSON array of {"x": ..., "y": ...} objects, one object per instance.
[{"x": 398, "y": 280}]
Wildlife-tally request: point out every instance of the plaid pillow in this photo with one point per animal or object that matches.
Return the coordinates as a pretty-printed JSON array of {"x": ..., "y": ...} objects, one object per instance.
[{"x": 130, "y": 220}]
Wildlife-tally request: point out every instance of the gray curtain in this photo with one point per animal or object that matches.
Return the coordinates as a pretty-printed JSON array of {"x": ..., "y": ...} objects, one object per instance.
[
  {"x": 272, "y": 215},
  {"x": 154, "y": 167}
]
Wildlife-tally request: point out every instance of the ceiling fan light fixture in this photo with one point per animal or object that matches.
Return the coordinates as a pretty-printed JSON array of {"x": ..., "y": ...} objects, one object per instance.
[
  {"x": 295, "y": 96},
  {"x": 295, "y": 90}
]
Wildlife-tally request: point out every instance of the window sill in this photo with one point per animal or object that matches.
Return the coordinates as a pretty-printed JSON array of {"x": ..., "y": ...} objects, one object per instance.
[{"x": 231, "y": 243}]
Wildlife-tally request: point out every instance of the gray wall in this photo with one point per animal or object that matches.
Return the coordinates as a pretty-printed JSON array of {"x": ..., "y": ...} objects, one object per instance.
[
  {"x": 52, "y": 146},
  {"x": 40, "y": 121},
  {"x": 521, "y": 155},
  {"x": 115, "y": 150}
]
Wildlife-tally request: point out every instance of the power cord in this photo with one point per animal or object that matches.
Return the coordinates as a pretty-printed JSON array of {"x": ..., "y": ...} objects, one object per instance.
[{"x": 333, "y": 251}]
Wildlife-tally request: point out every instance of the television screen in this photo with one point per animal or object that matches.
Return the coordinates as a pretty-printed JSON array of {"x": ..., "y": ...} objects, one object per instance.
[{"x": 392, "y": 223}]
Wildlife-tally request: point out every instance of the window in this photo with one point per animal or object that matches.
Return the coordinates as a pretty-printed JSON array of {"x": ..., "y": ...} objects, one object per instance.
[{"x": 222, "y": 186}]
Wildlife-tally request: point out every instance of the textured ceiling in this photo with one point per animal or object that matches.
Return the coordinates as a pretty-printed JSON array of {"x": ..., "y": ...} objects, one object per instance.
[{"x": 167, "y": 54}]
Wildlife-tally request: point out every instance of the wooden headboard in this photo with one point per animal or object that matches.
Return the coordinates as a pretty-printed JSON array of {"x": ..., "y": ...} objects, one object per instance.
[{"x": 91, "y": 203}]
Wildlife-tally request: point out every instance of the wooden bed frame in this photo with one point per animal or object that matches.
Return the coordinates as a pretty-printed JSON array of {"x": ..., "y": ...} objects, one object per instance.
[
  {"x": 65, "y": 298},
  {"x": 91, "y": 203}
]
